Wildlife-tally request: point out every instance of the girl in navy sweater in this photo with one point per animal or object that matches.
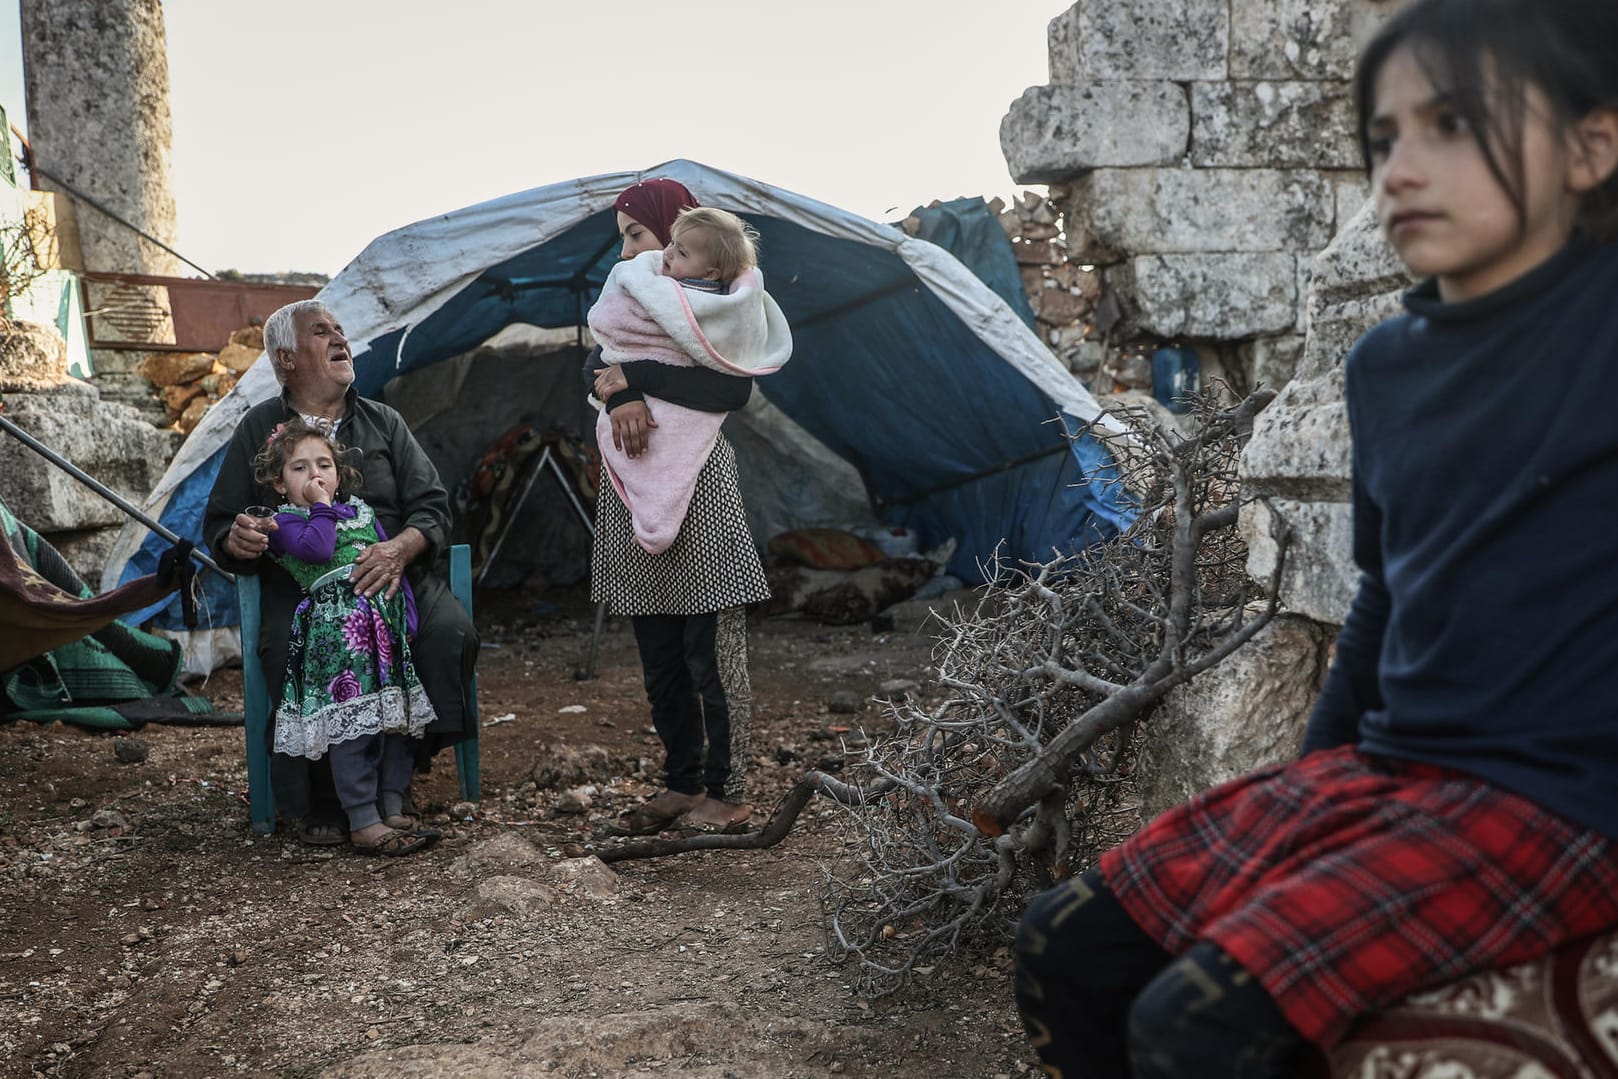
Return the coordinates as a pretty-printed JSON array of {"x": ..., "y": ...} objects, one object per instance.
[{"x": 1456, "y": 806}]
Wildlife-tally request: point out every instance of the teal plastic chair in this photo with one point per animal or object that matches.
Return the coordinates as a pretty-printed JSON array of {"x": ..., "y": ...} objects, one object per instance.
[{"x": 256, "y": 696}]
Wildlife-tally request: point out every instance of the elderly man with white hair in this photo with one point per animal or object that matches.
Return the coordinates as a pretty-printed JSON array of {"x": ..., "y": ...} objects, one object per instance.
[{"x": 306, "y": 345}]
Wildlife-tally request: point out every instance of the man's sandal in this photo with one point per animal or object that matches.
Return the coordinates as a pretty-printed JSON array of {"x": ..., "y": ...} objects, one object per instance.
[
  {"x": 411, "y": 822},
  {"x": 395, "y": 844}
]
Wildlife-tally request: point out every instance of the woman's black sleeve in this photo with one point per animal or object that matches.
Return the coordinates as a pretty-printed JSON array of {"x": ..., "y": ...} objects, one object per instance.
[{"x": 700, "y": 388}]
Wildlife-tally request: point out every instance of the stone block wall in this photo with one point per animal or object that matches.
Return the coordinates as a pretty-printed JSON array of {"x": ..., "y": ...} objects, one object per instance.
[
  {"x": 1202, "y": 153},
  {"x": 109, "y": 441},
  {"x": 1298, "y": 456}
]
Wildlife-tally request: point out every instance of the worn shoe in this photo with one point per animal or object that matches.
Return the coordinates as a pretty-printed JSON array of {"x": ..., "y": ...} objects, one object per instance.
[{"x": 657, "y": 813}]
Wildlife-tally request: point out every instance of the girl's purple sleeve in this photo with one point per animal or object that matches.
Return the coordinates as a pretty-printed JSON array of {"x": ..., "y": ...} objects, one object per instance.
[
  {"x": 409, "y": 593},
  {"x": 311, "y": 540}
]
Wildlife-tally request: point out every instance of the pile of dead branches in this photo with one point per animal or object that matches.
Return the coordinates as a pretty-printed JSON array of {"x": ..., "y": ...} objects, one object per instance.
[{"x": 1022, "y": 774}]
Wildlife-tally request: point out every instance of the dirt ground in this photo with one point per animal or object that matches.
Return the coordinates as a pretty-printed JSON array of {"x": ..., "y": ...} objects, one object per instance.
[{"x": 147, "y": 932}]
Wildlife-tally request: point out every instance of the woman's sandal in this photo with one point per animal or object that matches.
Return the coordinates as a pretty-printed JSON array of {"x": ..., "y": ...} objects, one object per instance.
[
  {"x": 718, "y": 817},
  {"x": 653, "y": 816},
  {"x": 395, "y": 844}
]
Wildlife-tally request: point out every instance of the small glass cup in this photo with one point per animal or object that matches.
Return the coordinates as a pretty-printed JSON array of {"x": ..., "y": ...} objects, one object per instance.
[{"x": 262, "y": 517}]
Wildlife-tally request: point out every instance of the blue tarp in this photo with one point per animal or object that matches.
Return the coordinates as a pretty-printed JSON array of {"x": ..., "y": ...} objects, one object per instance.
[{"x": 950, "y": 439}]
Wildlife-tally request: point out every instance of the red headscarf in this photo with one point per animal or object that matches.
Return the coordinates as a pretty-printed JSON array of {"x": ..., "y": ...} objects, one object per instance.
[{"x": 655, "y": 203}]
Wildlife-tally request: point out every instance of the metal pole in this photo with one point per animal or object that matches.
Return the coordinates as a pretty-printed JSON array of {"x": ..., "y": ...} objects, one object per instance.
[
  {"x": 511, "y": 516},
  {"x": 103, "y": 490}
]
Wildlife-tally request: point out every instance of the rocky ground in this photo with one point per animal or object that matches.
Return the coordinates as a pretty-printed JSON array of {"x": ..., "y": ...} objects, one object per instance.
[{"x": 147, "y": 931}]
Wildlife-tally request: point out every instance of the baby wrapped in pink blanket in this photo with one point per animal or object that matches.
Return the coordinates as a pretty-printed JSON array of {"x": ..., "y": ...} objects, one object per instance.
[{"x": 644, "y": 314}]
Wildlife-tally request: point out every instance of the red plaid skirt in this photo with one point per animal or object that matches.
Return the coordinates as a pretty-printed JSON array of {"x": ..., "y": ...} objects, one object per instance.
[{"x": 1344, "y": 881}]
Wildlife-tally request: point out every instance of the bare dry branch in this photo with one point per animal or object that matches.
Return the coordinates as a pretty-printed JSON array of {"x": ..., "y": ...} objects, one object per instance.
[{"x": 1023, "y": 772}]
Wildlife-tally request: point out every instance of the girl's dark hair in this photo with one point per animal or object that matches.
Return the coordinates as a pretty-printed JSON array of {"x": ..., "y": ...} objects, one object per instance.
[
  {"x": 272, "y": 458},
  {"x": 1485, "y": 54}
]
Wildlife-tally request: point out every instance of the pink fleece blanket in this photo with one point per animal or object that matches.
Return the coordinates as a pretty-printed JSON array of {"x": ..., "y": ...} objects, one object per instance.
[{"x": 642, "y": 315}]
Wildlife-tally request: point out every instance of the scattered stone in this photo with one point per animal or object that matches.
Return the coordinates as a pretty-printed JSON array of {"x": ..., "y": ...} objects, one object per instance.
[
  {"x": 897, "y": 689},
  {"x": 237, "y": 957},
  {"x": 239, "y": 358},
  {"x": 843, "y": 702},
  {"x": 249, "y": 336},
  {"x": 110, "y": 819},
  {"x": 505, "y": 852},
  {"x": 193, "y": 414},
  {"x": 589, "y": 874},
  {"x": 521, "y": 896},
  {"x": 174, "y": 368},
  {"x": 561, "y": 766},
  {"x": 575, "y": 800},
  {"x": 130, "y": 750}
]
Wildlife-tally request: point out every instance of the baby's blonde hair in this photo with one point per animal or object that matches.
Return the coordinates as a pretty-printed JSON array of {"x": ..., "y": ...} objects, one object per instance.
[{"x": 732, "y": 242}]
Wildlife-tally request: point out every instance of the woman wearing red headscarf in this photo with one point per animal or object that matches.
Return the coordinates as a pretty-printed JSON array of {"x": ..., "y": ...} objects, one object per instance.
[{"x": 685, "y": 603}]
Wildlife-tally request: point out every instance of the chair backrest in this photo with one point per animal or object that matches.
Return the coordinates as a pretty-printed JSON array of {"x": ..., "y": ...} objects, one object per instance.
[{"x": 255, "y": 706}]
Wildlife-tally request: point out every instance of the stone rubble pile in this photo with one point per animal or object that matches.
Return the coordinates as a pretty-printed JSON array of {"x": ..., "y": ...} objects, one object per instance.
[
  {"x": 188, "y": 383},
  {"x": 1065, "y": 295}
]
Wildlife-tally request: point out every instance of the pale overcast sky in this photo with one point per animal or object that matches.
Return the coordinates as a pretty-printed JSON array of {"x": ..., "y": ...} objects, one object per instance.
[{"x": 305, "y": 128}]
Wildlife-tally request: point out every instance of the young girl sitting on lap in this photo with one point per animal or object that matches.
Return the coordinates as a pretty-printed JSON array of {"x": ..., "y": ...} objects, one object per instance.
[
  {"x": 350, "y": 692},
  {"x": 1457, "y": 802}
]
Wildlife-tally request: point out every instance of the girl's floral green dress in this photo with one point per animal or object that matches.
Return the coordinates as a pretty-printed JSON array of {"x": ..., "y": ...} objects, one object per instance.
[{"x": 348, "y": 671}]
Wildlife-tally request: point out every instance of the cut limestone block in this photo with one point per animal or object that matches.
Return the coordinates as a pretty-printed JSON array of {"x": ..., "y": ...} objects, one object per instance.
[{"x": 1055, "y": 132}]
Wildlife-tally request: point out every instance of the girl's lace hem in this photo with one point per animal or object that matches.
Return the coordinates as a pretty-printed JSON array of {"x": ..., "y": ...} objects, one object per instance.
[{"x": 392, "y": 709}]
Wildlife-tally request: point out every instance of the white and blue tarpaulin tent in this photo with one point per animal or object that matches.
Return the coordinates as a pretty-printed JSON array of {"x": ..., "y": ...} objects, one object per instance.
[{"x": 916, "y": 395}]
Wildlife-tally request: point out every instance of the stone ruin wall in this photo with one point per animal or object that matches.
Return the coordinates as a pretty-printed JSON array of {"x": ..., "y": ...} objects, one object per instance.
[
  {"x": 97, "y": 83},
  {"x": 1206, "y": 191},
  {"x": 98, "y": 115},
  {"x": 109, "y": 441}
]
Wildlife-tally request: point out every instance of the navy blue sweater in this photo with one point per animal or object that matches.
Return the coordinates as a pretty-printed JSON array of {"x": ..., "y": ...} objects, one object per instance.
[{"x": 1484, "y": 636}]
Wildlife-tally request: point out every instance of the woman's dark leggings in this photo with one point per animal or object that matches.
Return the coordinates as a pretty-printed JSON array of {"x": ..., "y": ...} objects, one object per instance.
[
  {"x": 679, "y": 660},
  {"x": 1102, "y": 1000}
]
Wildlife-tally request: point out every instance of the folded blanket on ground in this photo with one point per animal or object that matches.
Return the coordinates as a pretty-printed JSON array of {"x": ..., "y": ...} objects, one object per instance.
[{"x": 845, "y": 598}]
